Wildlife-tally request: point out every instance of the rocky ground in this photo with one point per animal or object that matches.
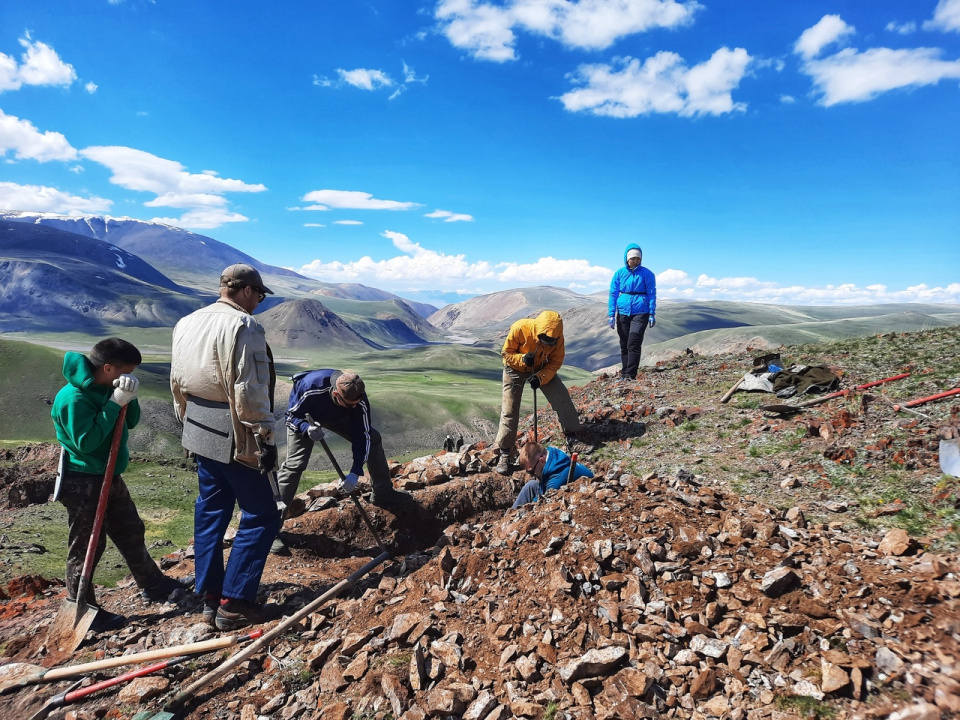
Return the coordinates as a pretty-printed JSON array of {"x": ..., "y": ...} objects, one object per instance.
[{"x": 725, "y": 562}]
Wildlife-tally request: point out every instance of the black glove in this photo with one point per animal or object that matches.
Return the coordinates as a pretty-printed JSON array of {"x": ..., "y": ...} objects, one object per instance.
[
  {"x": 528, "y": 359},
  {"x": 268, "y": 458},
  {"x": 534, "y": 382}
]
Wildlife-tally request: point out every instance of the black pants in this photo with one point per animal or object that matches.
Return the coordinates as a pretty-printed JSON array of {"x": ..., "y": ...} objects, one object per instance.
[
  {"x": 80, "y": 494},
  {"x": 630, "y": 329}
]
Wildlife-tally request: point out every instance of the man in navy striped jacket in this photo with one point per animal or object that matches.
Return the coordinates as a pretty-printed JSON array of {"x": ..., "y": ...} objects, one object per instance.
[{"x": 335, "y": 401}]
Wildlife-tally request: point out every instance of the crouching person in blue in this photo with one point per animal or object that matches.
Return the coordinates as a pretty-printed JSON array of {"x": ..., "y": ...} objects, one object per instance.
[
  {"x": 222, "y": 379},
  {"x": 551, "y": 467},
  {"x": 335, "y": 401}
]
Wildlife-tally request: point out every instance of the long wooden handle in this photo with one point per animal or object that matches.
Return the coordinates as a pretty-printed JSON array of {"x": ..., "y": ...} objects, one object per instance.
[
  {"x": 731, "y": 391},
  {"x": 188, "y": 649}
]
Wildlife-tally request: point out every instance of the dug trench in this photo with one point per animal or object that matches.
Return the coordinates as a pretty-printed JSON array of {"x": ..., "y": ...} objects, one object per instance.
[{"x": 652, "y": 590}]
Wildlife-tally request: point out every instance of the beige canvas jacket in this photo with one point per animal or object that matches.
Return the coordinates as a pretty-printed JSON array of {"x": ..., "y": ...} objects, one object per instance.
[{"x": 220, "y": 354}]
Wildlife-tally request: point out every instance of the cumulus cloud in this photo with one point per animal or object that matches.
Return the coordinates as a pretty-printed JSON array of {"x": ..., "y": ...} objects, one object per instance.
[
  {"x": 830, "y": 29},
  {"x": 750, "y": 289},
  {"x": 26, "y": 142},
  {"x": 448, "y": 216},
  {"x": 853, "y": 76},
  {"x": 673, "y": 277},
  {"x": 361, "y": 78},
  {"x": 661, "y": 84},
  {"x": 39, "y": 198},
  {"x": 39, "y": 65},
  {"x": 352, "y": 200},
  {"x": 488, "y": 31},
  {"x": 946, "y": 17},
  {"x": 90, "y": 87},
  {"x": 419, "y": 268},
  {"x": 200, "y": 194},
  {"x": 901, "y": 28}
]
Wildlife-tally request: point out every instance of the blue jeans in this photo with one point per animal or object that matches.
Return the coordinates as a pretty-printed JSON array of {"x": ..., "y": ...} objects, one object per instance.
[
  {"x": 222, "y": 486},
  {"x": 530, "y": 493}
]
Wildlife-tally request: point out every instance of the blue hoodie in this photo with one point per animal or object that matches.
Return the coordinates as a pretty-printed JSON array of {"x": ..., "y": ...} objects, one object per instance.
[
  {"x": 555, "y": 470},
  {"x": 633, "y": 292}
]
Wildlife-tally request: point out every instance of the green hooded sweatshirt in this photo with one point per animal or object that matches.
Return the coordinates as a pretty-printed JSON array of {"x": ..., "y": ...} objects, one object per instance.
[{"x": 84, "y": 417}]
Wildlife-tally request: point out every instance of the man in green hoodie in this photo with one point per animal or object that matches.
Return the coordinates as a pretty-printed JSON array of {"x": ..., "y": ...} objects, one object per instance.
[{"x": 85, "y": 412}]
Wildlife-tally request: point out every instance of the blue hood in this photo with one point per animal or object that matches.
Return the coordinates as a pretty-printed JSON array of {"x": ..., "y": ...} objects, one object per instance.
[{"x": 632, "y": 246}]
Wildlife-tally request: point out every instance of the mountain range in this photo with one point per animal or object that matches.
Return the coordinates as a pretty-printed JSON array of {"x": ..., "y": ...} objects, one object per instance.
[{"x": 91, "y": 274}]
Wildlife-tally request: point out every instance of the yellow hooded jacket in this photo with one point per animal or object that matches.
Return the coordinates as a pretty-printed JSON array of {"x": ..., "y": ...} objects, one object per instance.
[{"x": 522, "y": 339}]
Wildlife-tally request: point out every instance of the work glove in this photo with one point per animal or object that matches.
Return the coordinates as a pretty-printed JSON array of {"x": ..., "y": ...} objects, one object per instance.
[
  {"x": 612, "y": 323},
  {"x": 267, "y": 459},
  {"x": 315, "y": 433},
  {"x": 528, "y": 359},
  {"x": 348, "y": 484},
  {"x": 125, "y": 389},
  {"x": 653, "y": 321},
  {"x": 534, "y": 382}
]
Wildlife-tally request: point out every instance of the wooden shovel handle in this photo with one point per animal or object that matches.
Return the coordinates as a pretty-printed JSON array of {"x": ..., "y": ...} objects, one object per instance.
[{"x": 148, "y": 656}]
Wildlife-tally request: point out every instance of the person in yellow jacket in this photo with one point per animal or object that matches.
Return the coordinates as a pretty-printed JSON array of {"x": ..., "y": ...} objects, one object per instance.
[{"x": 533, "y": 351}]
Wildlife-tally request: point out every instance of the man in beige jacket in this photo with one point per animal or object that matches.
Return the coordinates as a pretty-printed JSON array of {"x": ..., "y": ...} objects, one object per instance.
[{"x": 222, "y": 379}]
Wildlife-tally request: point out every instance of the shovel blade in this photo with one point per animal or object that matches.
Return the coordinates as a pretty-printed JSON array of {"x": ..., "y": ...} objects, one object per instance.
[
  {"x": 147, "y": 715},
  {"x": 17, "y": 675},
  {"x": 781, "y": 409},
  {"x": 70, "y": 625},
  {"x": 950, "y": 457}
]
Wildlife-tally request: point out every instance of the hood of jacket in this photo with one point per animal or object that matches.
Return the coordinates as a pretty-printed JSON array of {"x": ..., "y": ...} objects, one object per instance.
[
  {"x": 78, "y": 370},
  {"x": 632, "y": 246},
  {"x": 549, "y": 323}
]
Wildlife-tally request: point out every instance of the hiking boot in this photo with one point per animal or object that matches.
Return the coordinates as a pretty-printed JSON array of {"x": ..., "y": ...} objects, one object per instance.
[
  {"x": 279, "y": 547},
  {"x": 390, "y": 498},
  {"x": 163, "y": 590},
  {"x": 503, "y": 465},
  {"x": 106, "y": 621},
  {"x": 211, "y": 603},
  {"x": 578, "y": 446},
  {"x": 234, "y": 614}
]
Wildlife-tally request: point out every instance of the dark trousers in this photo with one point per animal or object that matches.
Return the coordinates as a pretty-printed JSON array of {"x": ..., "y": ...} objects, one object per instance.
[
  {"x": 630, "y": 330},
  {"x": 530, "y": 493},
  {"x": 80, "y": 494},
  {"x": 223, "y": 485},
  {"x": 299, "y": 449}
]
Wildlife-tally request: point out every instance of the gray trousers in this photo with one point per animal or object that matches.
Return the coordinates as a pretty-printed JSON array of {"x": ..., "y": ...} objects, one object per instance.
[
  {"x": 299, "y": 449},
  {"x": 554, "y": 391}
]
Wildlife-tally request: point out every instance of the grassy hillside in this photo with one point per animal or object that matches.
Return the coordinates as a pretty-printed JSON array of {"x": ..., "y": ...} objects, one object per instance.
[{"x": 30, "y": 376}]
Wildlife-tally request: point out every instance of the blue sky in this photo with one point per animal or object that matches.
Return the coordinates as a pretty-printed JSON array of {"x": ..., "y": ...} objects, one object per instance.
[{"x": 803, "y": 152}]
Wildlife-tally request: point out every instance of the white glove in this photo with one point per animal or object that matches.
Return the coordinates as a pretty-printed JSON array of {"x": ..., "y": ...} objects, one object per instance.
[
  {"x": 125, "y": 389},
  {"x": 315, "y": 433},
  {"x": 348, "y": 484}
]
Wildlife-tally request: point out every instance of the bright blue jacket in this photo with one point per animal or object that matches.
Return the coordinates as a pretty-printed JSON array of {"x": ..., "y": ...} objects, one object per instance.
[
  {"x": 311, "y": 396},
  {"x": 555, "y": 470},
  {"x": 633, "y": 292}
]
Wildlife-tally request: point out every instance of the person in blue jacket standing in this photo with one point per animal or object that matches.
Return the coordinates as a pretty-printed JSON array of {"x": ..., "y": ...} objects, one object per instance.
[
  {"x": 632, "y": 308},
  {"x": 550, "y": 466}
]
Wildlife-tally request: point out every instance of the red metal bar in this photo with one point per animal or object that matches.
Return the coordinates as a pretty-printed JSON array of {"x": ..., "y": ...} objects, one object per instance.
[
  {"x": 921, "y": 401},
  {"x": 880, "y": 382}
]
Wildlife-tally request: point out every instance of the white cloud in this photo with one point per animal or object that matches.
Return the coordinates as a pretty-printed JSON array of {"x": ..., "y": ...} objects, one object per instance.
[
  {"x": 450, "y": 216},
  {"x": 828, "y": 30},
  {"x": 347, "y": 222},
  {"x": 901, "y": 28},
  {"x": 90, "y": 87},
  {"x": 419, "y": 268},
  {"x": 662, "y": 84},
  {"x": 410, "y": 75},
  {"x": 787, "y": 99},
  {"x": 853, "y": 76},
  {"x": 365, "y": 79},
  {"x": 39, "y": 65},
  {"x": 200, "y": 194},
  {"x": 488, "y": 31},
  {"x": 313, "y": 225},
  {"x": 39, "y": 198},
  {"x": 352, "y": 200},
  {"x": 946, "y": 17},
  {"x": 673, "y": 277},
  {"x": 27, "y": 143}
]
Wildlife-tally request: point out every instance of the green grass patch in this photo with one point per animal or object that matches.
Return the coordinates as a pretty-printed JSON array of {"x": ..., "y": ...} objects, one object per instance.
[{"x": 805, "y": 707}]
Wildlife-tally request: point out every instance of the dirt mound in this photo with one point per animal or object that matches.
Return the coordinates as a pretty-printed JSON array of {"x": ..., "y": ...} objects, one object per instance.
[{"x": 31, "y": 477}]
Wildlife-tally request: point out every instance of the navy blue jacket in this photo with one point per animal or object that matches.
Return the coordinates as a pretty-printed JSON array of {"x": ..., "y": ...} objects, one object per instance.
[
  {"x": 632, "y": 292},
  {"x": 311, "y": 396}
]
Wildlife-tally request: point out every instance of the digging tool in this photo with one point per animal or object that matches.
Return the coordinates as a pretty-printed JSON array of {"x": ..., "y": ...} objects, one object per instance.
[
  {"x": 75, "y": 617},
  {"x": 272, "y": 479},
  {"x": 931, "y": 398},
  {"x": 536, "y": 435},
  {"x": 72, "y": 694},
  {"x": 731, "y": 391},
  {"x": 573, "y": 468},
  {"x": 785, "y": 409},
  {"x": 180, "y": 701},
  {"x": 353, "y": 495},
  {"x": 17, "y": 675}
]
